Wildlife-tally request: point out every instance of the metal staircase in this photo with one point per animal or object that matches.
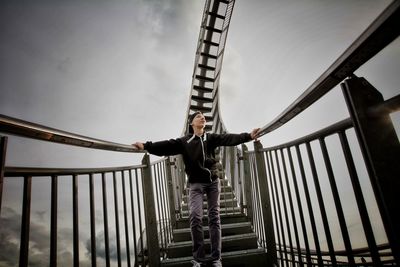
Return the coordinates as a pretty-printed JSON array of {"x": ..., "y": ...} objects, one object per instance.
[
  {"x": 210, "y": 50},
  {"x": 239, "y": 242}
]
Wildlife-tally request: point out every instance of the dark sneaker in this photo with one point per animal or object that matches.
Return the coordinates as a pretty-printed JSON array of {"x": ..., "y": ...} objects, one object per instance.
[
  {"x": 196, "y": 263},
  {"x": 216, "y": 263}
]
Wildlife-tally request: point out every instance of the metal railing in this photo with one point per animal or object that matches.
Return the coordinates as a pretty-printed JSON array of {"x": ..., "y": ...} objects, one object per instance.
[
  {"x": 127, "y": 205},
  {"x": 293, "y": 193},
  {"x": 303, "y": 196}
]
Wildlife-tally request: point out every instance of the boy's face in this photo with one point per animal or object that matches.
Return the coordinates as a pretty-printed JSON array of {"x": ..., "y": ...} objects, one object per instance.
[{"x": 199, "y": 121}]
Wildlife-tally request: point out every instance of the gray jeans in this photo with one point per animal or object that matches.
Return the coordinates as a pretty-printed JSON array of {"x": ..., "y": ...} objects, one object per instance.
[{"x": 197, "y": 191}]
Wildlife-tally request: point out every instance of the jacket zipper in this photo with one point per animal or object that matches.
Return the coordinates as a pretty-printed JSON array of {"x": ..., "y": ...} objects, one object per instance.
[{"x": 204, "y": 157}]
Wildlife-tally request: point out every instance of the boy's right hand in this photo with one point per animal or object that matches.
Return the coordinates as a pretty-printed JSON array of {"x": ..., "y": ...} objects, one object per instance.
[{"x": 138, "y": 145}]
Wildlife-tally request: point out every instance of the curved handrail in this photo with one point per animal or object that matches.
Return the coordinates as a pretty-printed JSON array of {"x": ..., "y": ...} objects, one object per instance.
[
  {"x": 26, "y": 171},
  {"x": 378, "y": 35},
  {"x": 36, "y": 131},
  {"x": 334, "y": 128}
]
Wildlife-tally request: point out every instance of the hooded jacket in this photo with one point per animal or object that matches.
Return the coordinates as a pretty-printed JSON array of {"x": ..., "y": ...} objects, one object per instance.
[{"x": 198, "y": 152}]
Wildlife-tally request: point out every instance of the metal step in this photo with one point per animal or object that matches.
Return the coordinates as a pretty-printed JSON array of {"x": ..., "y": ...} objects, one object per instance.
[
  {"x": 202, "y": 99},
  {"x": 229, "y": 243},
  {"x": 205, "y": 78},
  {"x": 222, "y": 196},
  {"x": 213, "y": 14},
  {"x": 241, "y": 258},
  {"x": 206, "y": 67},
  {"x": 226, "y": 230},
  {"x": 202, "y": 89},
  {"x": 225, "y": 219},
  {"x": 225, "y": 210},
  {"x": 199, "y": 108},
  {"x": 209, "y": 55},
  {"x": 209, "y": 28},
  {"x": 229, "y": 203},
  {"x": 208, "y": 42}
]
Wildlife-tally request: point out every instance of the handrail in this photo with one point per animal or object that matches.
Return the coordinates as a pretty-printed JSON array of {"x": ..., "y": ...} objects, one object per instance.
[
  {"x": 378, "y": 35},
  {"x": 22, "y": 171},
  {"x": 389, "y": 106},
  {"x": 334, "y": 128},
  {"x": 36, "y": 131}
]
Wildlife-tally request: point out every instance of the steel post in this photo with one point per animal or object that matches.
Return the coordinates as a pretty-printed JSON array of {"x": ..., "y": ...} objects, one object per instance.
[
  {"x": 150, "y": 214},
  {"x": 3, "y": 151},
  {"x": 247, "y": 183},
  {"x": 171, "y": 195},
  {"x": 381, "y": 151},
  {"x": 265, "y": 204}
]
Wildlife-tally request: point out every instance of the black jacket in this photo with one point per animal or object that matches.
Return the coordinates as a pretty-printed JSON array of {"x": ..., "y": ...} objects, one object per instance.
[{"x": 198, "y": 152}]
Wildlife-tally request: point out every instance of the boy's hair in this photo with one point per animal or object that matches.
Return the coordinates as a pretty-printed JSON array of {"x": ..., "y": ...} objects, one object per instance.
[{"x": 191, "y": 118}]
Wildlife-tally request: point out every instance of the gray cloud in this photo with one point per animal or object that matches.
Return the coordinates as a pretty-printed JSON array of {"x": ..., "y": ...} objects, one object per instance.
[{"x": 39, "y": 242}]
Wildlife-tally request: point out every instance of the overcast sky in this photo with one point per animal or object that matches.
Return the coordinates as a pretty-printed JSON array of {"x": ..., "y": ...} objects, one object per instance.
[{"x": 121, "y": 70}]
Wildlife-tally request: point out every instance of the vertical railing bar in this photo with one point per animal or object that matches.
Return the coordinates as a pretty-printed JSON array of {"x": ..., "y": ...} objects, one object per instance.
[
  {"x": 278, "y": 214},
  {"x": 75, "y": 218},
  {"x": 116, "y": 213},
  {"x": 228, "y": 179},
  {"x": 338, "y": 204},
  {"x": 180, "y": 184},
  {"x": 25, "y": 222},
  {"x": 309, "y": 206},
  {"x": 289, "y": 237},
  {"x": 163, "y": 208},
  {"x": 299, "y": 205},
  {"x": 3, "y": 152},
  {"x": 153, "y": 244},
  {"x": 233, "y": 178},
  {"x": 285, "y": 172},
  {"x": 105, "y": 219},
  {"x": 321, "y": 204},
  {"x": 247, "y": 183},
  {"x": 140, "y": 217},
  {"x": 164, "y": 198},
  {"x": 258, "y": 217},
  {"x": 92, "y": 221},
  {"x": 257, "y": 208},
  {"x": 362, "y": 208},
  {"x": 53, "y": 221},
  {"x": 170, "y": 195},
  {"x": 165, "y": 203},
  {"x": 133, "y": 217},
  {"x": 251, "y": 175},
  {"x": 157, "y": 192},
  {"x": 260, "y": 211},
  {"x": 265, "y": 199},
  {"x": 254, "y": 203},
  {"x": 271, "y": 170},
  {"x": 166, "y": 166},
  {"x": 241, "y": 168},
  {"x": 223, "y": 188},
  {"x": 128, "y": 250},
  {"x": 240, "y": 179},
  {"x": 224, "y": 191}
]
